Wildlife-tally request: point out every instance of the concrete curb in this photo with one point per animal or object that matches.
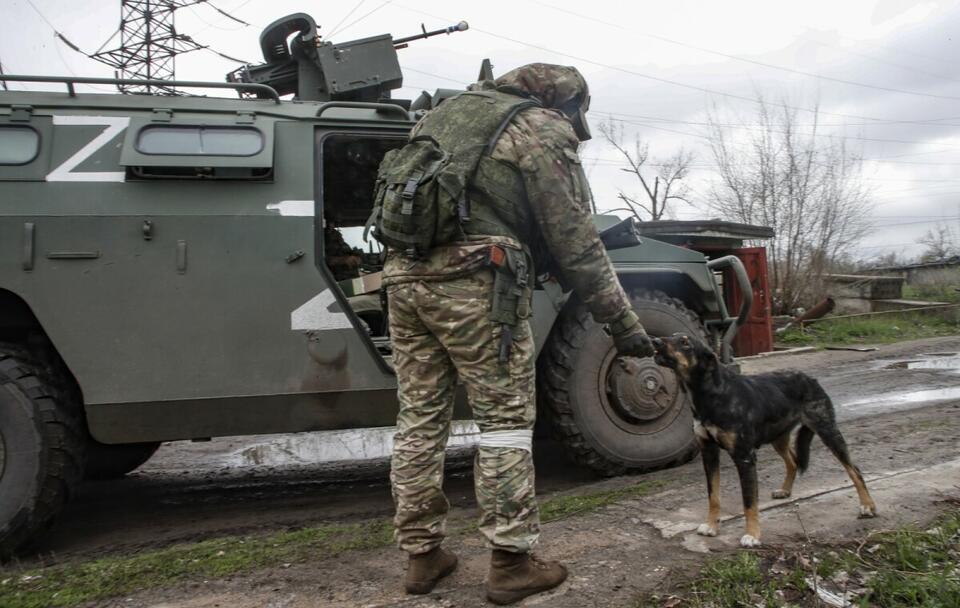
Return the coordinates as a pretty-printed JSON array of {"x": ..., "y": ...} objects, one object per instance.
[{"x": 775, "y": 353}]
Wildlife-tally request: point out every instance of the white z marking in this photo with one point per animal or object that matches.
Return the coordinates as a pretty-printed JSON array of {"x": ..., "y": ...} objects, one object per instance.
[
  {"x": 293, "y": 208},
  {"x": 319, "y": 313},
  {"x": 114, "y": 126}
]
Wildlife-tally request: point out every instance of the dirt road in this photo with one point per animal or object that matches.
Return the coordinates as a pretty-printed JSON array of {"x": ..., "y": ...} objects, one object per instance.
[{"x": 899, "y": 409}]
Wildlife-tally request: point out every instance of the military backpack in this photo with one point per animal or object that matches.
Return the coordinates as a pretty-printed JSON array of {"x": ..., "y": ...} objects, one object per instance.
[{"x": 421, "y": 195}]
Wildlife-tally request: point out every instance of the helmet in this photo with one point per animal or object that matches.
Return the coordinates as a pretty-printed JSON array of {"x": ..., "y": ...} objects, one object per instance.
[{"x": 559, "y": 87}]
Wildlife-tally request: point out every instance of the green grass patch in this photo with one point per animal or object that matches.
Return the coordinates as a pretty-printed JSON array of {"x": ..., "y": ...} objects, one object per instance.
[
  {"x": 74, "y": 583},
  {"x": 905, "y": 568},
  {"x": 578, "y": 504},
  {"x": 936, "y": 292},
  {"x": 881, "y": 329}
]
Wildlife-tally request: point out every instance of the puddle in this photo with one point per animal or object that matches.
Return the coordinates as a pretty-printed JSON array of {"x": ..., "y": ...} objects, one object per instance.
[
  {"x": 334, "y": 446},
  {"x": 885, "y": 401},
  {"x": 944, "y": 361}
]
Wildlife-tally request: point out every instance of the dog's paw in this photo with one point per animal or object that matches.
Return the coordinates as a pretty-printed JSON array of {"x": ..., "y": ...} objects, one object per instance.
[
  {"x": 707, "y": 530},
  {"x": 780, "y": 494},
  {"x": 749, "y": 541},
  {"x": 867, "y": 512}
]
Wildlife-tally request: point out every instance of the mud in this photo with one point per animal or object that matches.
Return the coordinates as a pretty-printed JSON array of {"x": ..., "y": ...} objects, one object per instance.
[
  {"x": 639, "y": 546},
  {"x": 906, "y": 447}
]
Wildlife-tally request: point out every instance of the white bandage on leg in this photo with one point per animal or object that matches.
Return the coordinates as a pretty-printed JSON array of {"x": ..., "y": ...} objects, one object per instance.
[{"x": 519, "y": 439}]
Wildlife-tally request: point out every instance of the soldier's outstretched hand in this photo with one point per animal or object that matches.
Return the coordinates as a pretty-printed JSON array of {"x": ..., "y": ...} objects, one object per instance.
[{"x": 633, "y": 343}]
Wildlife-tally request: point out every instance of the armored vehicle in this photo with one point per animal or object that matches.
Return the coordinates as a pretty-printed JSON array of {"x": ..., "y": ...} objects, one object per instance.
[{"x": 179, "y": 268}]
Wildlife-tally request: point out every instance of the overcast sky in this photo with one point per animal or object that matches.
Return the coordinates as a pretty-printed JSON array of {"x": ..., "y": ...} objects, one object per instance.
[{"x": 657, "y": 65}]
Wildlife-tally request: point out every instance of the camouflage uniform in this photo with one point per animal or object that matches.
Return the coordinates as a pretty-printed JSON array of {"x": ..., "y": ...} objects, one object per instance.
[{"x": 442, "y": 333}]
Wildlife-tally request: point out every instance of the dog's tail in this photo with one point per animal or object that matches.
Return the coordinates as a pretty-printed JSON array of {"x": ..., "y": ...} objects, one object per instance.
[{"x": 804, "y": 438}]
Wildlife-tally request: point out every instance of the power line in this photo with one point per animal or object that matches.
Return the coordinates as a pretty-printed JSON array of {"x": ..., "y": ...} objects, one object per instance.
[
  {"x": 447, "y": 78},
  {"x": 347, "y": 16},
  {"x": 204, "y": 47},
  {"x": 887, "y": 246},
  {"x": 234, "y": 10},
  {"x": 42, "y": 16},
  {"x": 744, "y": 59},
  {"x": 59, "y": 36},
  {"x": 930, "y": 123},
  {"x": 359, "y": 19},
  {"x": 909, "y": 68},
  {"x": 739, "y": 126},
  {"x": 813, "y": 134},
  {"x": 901, "y": 51},
  {"x": 917, "y": 222},
  {"x": 214, "y": 25},
  {"x": 226, "y": 14},
  {"x": 648, "y": 76}
]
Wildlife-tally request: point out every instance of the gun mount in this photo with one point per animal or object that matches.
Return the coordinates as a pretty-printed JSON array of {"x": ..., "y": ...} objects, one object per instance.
[{"x": 298, "y": 62}]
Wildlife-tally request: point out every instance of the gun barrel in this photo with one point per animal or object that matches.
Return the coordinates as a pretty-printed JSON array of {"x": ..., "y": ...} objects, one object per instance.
[{"x": 460, "y": 27}]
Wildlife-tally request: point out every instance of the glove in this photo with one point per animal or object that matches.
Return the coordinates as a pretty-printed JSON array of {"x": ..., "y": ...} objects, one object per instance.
[
  {"x": 634, "y": 344},
  {"x": 629, "y": 337}
]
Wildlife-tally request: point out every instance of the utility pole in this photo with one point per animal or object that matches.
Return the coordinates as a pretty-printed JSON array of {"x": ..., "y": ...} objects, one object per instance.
[{"x": 149, "y": 44}]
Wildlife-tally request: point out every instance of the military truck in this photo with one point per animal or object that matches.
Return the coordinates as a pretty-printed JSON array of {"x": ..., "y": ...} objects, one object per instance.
[{"x": 165, "y": 275}]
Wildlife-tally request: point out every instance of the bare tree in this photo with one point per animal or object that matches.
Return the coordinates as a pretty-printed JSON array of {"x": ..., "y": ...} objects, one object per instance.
[
  {"x": 667, "y": 184},
  {"x": 941, "y": 243},
  {"x": 807, "y": 186},
  {"x": 887, "y": 260}
]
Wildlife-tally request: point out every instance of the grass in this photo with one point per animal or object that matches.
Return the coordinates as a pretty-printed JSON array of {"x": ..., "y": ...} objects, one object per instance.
[
  {"x": 932, "y": 292},
  {"x": 899, "y": 569},
  {"x": 578, "y": 504},
  {"x": 880, "y": 329},
  {"x": 73, "y": 583}
]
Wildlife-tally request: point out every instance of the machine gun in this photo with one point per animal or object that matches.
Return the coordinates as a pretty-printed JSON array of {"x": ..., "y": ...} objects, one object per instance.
[{"x": 313, "y": 70}]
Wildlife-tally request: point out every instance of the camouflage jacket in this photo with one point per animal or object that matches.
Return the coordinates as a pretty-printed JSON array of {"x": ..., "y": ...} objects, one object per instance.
[{"x": 541, "y": 146}]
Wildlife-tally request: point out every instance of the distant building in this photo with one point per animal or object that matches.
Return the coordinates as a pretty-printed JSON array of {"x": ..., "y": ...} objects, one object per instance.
[
  {"x": 925, "y": 272},
  {"x": 717, "y": 238}
]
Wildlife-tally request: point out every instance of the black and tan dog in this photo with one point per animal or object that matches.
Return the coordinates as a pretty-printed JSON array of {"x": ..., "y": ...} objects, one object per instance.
[{"x": 741, "y": 413}]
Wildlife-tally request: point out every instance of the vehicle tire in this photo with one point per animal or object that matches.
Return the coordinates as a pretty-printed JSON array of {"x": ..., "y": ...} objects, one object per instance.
[
  {"x": 106, "y": 461},
  {"x": 618, "y": 418},
  {"x": 41, "y": 449}
]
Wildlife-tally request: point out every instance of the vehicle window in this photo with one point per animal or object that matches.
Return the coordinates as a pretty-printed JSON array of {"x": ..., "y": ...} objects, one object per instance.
[
  {"x": 349, "y": 165},
  {"x": 200, "y": 141},
  {"x": 18, "y": 145}
]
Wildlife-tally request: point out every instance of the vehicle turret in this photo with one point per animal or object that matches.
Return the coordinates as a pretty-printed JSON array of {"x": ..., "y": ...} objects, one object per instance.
[{"x": 297, "y": 61}]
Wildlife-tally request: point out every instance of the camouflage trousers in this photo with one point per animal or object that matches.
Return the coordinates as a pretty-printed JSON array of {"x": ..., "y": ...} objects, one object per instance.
[{"x": 441, "y": 333}]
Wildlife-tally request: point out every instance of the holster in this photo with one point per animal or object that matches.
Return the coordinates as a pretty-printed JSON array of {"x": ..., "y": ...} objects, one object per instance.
[{"x": 512, "y": 291}]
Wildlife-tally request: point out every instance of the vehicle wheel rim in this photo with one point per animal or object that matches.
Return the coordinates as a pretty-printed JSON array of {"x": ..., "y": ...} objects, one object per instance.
[{"x": 638, "y": 395}]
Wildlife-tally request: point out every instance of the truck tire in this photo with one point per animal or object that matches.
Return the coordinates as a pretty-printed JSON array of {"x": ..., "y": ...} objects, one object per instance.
[
  {"x": 617, "y": 418},
  {"x": 41, "y": 450},
  {"x": 106, "y": 461}
]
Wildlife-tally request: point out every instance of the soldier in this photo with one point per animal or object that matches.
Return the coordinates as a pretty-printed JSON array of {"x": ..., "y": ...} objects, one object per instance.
[{"x": 459, "y": 313}]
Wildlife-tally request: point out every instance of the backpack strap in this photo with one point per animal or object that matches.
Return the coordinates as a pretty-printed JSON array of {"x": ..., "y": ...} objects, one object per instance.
[{"x": 463, "y": 203}]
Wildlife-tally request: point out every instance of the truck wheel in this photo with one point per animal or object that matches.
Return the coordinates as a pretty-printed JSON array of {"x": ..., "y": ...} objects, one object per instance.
[
  {"x": 619, "y": 418},
  {"x": 106, "y": 461},
  {"x": 41, "y": 450}
]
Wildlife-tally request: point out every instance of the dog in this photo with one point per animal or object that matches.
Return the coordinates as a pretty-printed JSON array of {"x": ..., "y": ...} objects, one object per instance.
[{"x": 741, "y": 413}]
